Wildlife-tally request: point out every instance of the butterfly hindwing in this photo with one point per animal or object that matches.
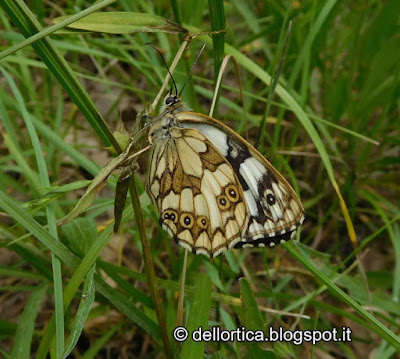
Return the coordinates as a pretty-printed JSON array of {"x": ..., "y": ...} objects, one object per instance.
[{"x": 197, "y": 193}]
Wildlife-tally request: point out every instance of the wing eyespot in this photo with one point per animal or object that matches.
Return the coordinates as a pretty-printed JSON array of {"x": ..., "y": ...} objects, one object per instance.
[
  {"x": 232, "y": 193},
  {"x": 271, "y": 199},
  {"x": 202, "y": 222},
  {"x": 223, "y": 202},
  {"x": 170, "y": 214},
  {"x": 186, "y": 220}
]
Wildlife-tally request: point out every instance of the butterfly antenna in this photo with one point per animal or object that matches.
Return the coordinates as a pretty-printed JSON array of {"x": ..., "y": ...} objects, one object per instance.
[
  {"x": 165, "y": 64},
  {"x": 191, "y": 69}
]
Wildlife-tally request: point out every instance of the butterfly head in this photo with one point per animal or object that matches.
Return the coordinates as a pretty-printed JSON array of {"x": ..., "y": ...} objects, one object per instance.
[
  {"x": 171, "y": 102},
  {"x": 171, "y": 99}
]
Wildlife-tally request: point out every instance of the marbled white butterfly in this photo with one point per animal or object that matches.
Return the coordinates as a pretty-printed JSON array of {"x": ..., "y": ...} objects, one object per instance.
[{"x": 213, "y": 190}]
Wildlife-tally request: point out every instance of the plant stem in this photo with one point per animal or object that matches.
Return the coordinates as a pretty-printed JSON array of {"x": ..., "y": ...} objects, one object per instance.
[{"x": 149, "y": 267}]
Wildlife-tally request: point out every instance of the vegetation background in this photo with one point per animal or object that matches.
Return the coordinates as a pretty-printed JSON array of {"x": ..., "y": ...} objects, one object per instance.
[{"x": 332, "y": 129}]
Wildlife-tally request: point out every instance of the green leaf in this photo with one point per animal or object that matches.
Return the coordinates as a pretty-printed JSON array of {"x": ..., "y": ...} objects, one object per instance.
[
  {"x": 217, "y": 21},
  {"x": 26, "y": 325},
  {"x": 213, "y": 274},
  {"x": 79, "y": 235},
  {"x": 87, "y": 300},
  {"x": 251, "y": 314},
  {"x": 7, "y": 329},
  {"x": 198, "y": 317},
  {"x": 251, "y": 317},
  {"x": 124, "y": 23},
  {"x": 297, "y": 250}
]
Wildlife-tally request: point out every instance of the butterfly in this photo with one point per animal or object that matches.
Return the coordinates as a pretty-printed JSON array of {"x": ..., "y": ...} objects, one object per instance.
[{"x": 213, "y": 190}]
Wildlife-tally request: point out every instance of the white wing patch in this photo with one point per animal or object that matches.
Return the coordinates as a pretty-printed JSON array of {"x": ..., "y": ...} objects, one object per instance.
[{"x": 214, "y": 135}]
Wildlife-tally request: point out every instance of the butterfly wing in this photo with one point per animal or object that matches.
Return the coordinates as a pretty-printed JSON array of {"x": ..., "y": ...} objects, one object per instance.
[
  {"x": 273, "y": 209},
  {"x": 197, "y": 193}
]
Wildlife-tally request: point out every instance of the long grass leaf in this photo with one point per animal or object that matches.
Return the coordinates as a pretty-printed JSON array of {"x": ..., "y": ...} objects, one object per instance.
[
  {"x": 26, "y": 325},
  {"x": 198, "y": 318},
  {"x": 85, "y": 305}
]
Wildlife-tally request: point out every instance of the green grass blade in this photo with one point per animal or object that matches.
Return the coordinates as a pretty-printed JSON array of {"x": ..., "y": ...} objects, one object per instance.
[
  {"x": 26, "y": 325},
  {"x": 122, "y": 23},
  {"x": 64, "y": 147},
  {"x": 83, "y": 239},
  {"x": 251, "y": 313},
  {"x": 217, "y": 21},
  {"x": 198, "y": 317},
  {"x": 322, "y": 17},
  {"x": 252, "y": 320},
  {"x": 29, "y": 173},
  {"x": 87, "y": 300}
]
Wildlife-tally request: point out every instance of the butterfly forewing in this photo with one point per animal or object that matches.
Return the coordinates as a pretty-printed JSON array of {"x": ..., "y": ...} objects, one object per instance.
[{"x": 197, "y": 193}]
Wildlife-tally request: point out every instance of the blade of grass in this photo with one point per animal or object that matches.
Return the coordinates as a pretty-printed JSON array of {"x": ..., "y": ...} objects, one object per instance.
[
  {"x": 18, "y": 156},
  {"x": 271, "y": 90},
  {"x": 251, "y": 313},
  {"x": 88, "y": 295},
  {"x": 312, "y": 34},
  {"x": 114, "y": 22},
  {"x": 217, "y": 21},
  {"x": 65, "y": 147},
  {"x": 26, "y": 325},
  {"x": 80, "y": 237},
  {"x": 231, "y": 105},
  {"x": 126, "y": 285},
  {"x": 198, "y": 317},
  {"x": 252, "y": 320},
  {"x": 393, "y": 237}
]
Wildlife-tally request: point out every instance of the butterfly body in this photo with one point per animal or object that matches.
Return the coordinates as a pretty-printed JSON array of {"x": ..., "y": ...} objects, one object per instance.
[{"x": 212, "y": 189}]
